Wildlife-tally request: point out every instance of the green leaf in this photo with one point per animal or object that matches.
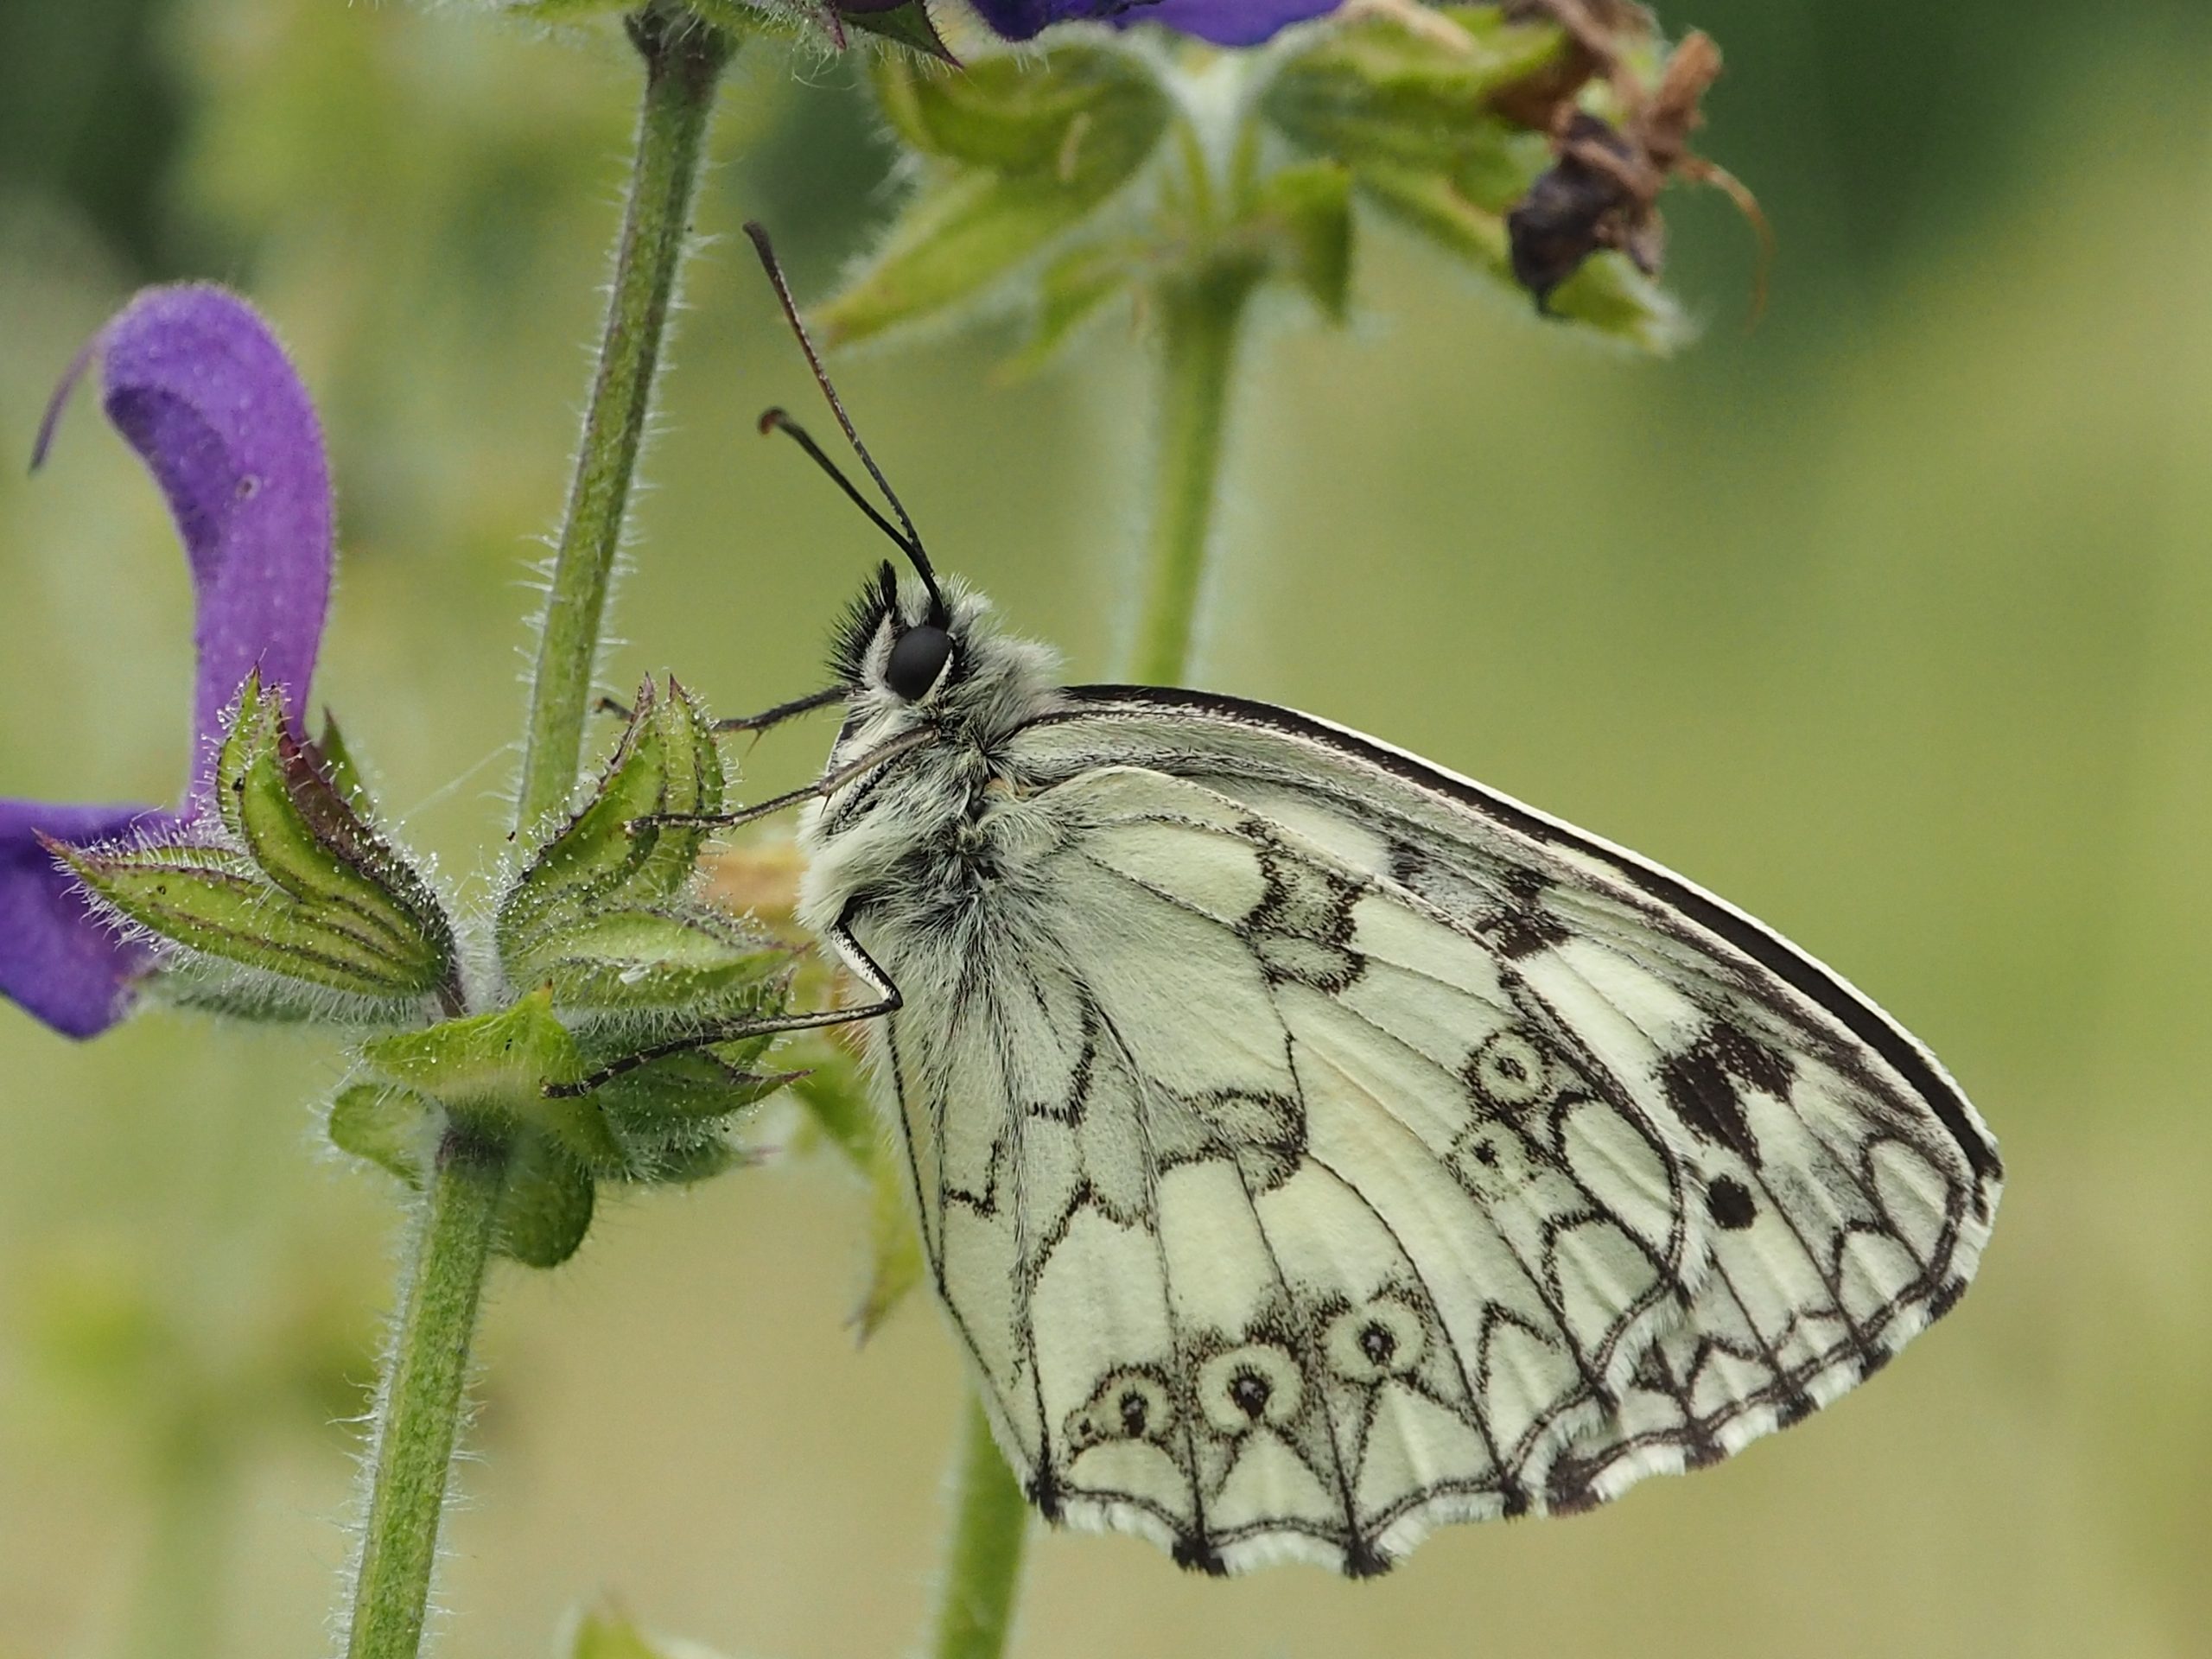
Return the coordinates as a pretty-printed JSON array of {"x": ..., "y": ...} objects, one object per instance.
[
  {"x": 393, "y": 1127},
  {"x": 545, "y": 1207},
  {"x": 1075, "y": 288},
  {"x": 835, "y": 1096},
  {"x": 894, "y": 1245},
  {"x": 1305, "y": 214},
  {"x": 1027, "y": 149}
]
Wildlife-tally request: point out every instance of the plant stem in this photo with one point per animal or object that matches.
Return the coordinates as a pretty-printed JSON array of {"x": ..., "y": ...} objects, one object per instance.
[
  {"x": 685, "y": 59},
  {"x": 418, "y": 1410},
  {"x": 1202, "y": 318},
  {"x": 991, "y": 1520}
]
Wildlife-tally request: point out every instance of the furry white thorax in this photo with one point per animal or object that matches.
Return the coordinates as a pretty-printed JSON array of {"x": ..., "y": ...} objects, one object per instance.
[{"x": 868, "y": 834}]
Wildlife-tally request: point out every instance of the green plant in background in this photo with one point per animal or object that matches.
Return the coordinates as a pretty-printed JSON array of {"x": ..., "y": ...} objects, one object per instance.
[
  {"x": 602, "y": 1020},
  {"x": 1519, "y": 141},
  {"x": 176, "y": 1369}
]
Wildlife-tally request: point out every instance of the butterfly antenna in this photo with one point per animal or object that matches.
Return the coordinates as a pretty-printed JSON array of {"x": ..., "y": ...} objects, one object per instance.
[
  {"x": 910, "y": 542},
  {"x": 776, "y": 420}
]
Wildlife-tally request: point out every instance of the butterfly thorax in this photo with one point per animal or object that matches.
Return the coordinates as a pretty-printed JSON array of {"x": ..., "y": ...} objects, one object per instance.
[{"x": 929, "y": 826}]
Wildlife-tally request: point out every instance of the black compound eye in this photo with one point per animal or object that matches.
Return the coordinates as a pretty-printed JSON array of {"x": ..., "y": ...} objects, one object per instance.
[{"x": 918, "y": 656}]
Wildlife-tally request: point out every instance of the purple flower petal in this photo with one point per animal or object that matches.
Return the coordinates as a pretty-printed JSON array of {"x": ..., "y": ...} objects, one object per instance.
[
  {"x": 193, "y": 379},
  {"x": 1224, "y": 23},
  {"x": 58, "y": 960}
]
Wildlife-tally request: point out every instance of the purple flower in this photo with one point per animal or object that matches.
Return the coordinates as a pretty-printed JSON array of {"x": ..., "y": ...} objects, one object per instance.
[
  {"x": 1225, "y": 22},
  {"x": 192, "y": 377}
]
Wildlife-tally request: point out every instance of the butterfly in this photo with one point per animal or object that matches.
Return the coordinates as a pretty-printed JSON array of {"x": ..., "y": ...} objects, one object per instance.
[{"x": 1310, "y": 1145}]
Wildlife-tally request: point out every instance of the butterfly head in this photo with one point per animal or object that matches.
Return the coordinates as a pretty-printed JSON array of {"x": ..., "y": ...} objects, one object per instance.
[
  {"x": 920, "y": 652},
  {"x": 925, "y": 652}
]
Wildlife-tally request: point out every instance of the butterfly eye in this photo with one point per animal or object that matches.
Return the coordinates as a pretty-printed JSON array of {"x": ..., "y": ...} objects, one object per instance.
[
  {"x": 1383, "y": 1339},
  {"x": 918, "y": 656},
  {"x": 1250, "y": 1385}
]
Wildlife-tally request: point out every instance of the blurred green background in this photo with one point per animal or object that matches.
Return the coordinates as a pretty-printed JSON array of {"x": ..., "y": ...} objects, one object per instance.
[{"x": 1890, "y": 620}]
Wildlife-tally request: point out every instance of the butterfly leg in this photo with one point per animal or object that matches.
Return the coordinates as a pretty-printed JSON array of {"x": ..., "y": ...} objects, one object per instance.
[
  {"x": 858, "y": 962},
  {"x": 783, "y": 711},
  {"x": 828, "y": 784},
  {"x": 759, "y": 722}
]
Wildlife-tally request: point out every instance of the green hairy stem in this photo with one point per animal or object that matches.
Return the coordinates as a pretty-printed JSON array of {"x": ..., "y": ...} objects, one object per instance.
[
  {"x": 418, "y": 1413},
  {"x": 684, "y": 59},
  {"x": 419, "y": 1407},
  {"x": 1201, "y": 324},
  {"x": 990, "y": 1524}
]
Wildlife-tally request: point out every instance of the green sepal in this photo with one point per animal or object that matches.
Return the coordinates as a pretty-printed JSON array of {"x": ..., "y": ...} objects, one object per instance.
[
  {"x": 676, "y": 1155},
  {"x": 1384, "y": 90},
  {"x": 733, "y": 17},
  {"x": 605, "y": 856},
  {"x": 1016, "y": 113},
  {"x": 608, "y": 1636},
  {"x": 392, "y": 1126},
  {"x": 217, "y": 902},
  {"x": 669, "y": 1114},
  {"x": 908, "y": 25},
  {"x": 545, "y": 1205},
  {"x": 1025, "y": 151},
  {"x": 689, "y": 961},
  {"x": 1304, "y": 213},
  {"x": 564, "y": 11},
  {"x": 693, "y": 1086},
  {"x": 305, "y": 890},
  {"x": 1611, "y": 296},
  {"x": 335, "y": 760},
  {"x": 491, "y": 1073}
]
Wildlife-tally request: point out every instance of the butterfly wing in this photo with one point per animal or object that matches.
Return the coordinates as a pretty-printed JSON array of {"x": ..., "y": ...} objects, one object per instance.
[{"x": 1313, "y": 1147}]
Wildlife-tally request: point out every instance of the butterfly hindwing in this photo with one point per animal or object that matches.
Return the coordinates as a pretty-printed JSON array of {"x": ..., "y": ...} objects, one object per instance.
[
  {"x": 1282, "y": 1215},
  {"x": 1844, "y": 1187}
]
